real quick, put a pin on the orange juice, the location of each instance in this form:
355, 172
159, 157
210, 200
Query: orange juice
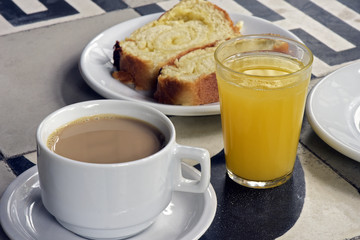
262, 104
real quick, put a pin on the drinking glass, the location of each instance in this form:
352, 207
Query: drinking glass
263, 82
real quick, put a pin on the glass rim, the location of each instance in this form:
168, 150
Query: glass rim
264, 36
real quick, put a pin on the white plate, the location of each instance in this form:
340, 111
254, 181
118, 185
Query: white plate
23, 216
333, 110
96, 63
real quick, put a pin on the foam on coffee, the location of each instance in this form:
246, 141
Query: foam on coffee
106, 138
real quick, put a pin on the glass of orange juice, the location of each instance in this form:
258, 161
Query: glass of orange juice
262, 81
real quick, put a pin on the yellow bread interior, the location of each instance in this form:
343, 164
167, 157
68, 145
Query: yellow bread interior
198, 62
191, 66
189, 24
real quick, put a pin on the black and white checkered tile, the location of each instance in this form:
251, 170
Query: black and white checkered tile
331, 28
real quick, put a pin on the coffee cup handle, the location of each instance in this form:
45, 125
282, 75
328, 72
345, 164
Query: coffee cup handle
198, 154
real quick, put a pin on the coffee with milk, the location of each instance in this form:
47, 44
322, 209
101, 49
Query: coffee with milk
106, 138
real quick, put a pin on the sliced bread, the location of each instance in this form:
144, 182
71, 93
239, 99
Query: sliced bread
189, 80
189, 25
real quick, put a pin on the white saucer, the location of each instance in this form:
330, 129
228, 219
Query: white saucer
96, 63
333, 110
23, 216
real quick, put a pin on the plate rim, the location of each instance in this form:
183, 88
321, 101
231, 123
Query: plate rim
331, 139
174, 110
31, 174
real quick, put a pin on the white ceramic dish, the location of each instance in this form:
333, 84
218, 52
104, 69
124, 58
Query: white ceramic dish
96, 63
333, 110
23, 216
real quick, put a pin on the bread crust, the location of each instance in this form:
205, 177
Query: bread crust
172, 91
132, 69
141, 71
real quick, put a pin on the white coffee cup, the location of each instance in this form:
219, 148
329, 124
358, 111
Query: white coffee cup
114, 201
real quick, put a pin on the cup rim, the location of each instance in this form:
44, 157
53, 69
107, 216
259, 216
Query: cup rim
41, 144
259, 36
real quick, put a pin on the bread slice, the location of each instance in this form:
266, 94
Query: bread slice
189, 25
190, 79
